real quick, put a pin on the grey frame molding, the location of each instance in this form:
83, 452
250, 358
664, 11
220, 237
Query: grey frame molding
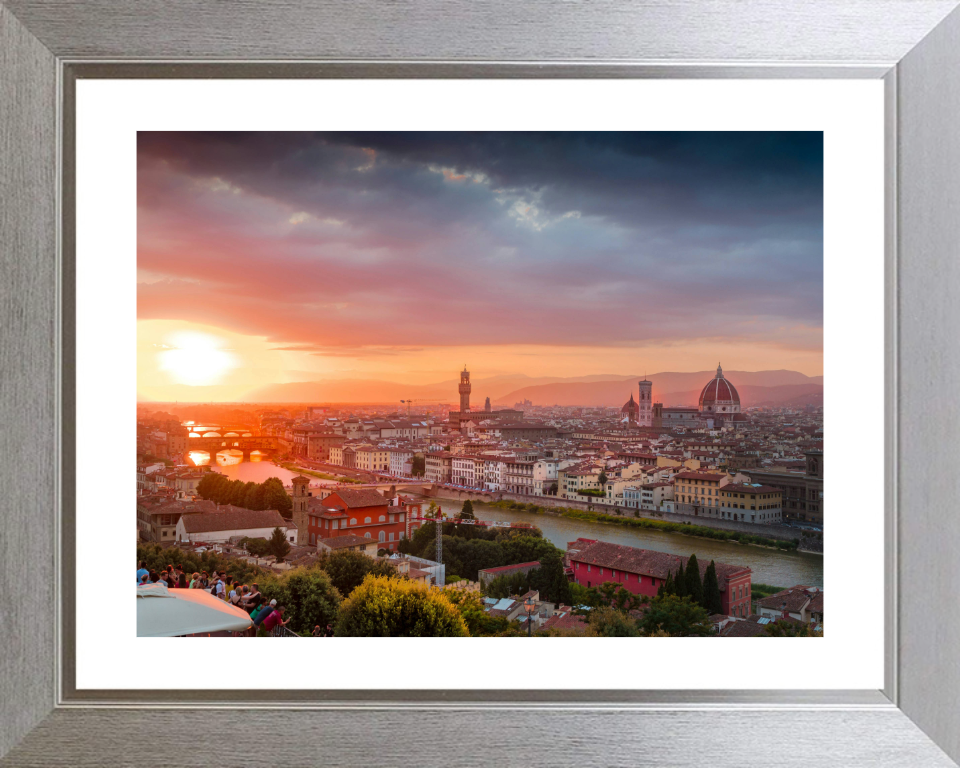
914, 45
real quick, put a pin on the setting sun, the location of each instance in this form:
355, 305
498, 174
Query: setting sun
196, 359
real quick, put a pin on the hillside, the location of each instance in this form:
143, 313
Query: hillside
509, 389
755, 388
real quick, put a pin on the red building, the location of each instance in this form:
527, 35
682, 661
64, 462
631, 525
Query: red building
642, 571
356, 512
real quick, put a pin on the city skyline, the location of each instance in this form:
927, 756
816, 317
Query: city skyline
267, 259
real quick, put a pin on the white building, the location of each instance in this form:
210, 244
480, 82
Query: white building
492, 473
544, 476
222, 526
463, 470
401, 461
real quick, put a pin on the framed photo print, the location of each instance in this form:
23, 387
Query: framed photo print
549, 364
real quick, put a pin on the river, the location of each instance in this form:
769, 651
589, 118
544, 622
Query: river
256, 470
769, 566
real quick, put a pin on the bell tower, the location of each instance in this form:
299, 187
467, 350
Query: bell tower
645, 404
301, 519
464, 391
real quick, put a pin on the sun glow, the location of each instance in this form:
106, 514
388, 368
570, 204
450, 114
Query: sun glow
196, 359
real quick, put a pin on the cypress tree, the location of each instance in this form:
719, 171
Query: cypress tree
694, 587
711, 590
679, 582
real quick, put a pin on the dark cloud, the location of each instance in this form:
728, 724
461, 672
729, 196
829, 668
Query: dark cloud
447, 238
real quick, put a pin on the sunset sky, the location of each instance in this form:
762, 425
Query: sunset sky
270, 258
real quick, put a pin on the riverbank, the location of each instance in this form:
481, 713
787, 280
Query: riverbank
685, 529
320, 475
769, 565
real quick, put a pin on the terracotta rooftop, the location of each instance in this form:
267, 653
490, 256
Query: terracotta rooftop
365, 497
234, 519
506, 568
647, 562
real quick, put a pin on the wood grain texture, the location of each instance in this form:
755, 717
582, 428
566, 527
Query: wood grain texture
532, 30
929, 234
162, 738
28, 375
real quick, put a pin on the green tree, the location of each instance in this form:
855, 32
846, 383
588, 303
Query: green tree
382, 607
508, 584
782, 628
712, 599
550, 580
308, 594
603, 479
666, 586
693, 584
677, 616
466, 513
348, 568
470, 605
256, 547
275, 496
679, 582
278, 546
609, 622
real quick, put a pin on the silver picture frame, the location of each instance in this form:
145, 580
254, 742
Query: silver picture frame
912, 45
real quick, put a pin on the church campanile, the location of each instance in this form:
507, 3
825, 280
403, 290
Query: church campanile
645, 404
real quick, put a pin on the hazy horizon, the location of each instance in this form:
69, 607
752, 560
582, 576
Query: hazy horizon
275, 258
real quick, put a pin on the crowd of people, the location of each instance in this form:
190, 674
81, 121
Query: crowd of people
267, 617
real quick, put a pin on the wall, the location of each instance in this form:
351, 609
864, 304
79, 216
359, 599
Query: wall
218, 536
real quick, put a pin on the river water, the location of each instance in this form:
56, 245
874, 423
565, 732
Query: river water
256, 470
769, 566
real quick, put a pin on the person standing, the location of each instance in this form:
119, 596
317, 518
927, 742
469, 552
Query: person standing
275, 620
266, 611
181, 578
252, 598
142, 571
194, 581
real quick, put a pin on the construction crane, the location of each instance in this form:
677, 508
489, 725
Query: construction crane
410, 402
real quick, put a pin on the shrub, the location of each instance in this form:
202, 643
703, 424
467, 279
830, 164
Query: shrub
382, 607
348, 568
307, 593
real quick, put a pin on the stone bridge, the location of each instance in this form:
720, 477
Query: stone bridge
213, 445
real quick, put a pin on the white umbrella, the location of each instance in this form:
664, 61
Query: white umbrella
169, 613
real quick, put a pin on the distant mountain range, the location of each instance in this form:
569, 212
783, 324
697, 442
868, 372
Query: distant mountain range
755, 387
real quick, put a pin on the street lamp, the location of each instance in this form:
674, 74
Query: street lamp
529, 606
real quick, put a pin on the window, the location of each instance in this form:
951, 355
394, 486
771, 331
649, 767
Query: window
383, 518
588, 569
391, 537
382, 536
353, 521
335, 525
367, 520
367, 535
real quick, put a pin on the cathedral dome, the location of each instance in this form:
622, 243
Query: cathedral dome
631, 406
719, 396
